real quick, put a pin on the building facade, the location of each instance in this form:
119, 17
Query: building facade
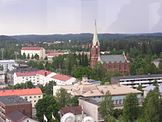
135, 81
31, 95
42, 77
32, 51
9, 104
115, 63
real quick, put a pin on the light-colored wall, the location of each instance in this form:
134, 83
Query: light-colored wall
41, 53
33, 98
90, 109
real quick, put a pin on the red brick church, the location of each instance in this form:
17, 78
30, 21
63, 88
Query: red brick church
117, 63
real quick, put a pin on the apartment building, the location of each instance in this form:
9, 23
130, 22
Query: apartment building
42, 77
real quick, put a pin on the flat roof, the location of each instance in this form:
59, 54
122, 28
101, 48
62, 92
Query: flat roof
12, 100
137, 76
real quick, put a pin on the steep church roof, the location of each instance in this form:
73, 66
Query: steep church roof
113, 58
95, 40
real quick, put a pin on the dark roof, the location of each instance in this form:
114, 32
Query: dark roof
16, 116
113, 58
71, 109
136, 77
12, 100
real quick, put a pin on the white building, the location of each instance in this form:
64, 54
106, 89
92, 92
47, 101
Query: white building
92, 94
151, 87
136, 80
8, 64
42, 77
31, 95
32, 51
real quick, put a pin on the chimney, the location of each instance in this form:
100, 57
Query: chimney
85, 79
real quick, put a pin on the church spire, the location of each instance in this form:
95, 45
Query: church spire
95, 36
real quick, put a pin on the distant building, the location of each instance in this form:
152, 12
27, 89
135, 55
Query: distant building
31, 95
75, 110
97, 92
151, 87
42, 77
91, 95
8, 64
32, 51
10, 104
136, 80
118, 63
51, 54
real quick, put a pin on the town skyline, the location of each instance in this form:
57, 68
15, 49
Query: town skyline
62, 17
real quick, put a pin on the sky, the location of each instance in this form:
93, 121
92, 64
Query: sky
78, 16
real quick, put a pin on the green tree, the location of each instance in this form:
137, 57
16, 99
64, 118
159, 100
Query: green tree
65, 98
131, 109
47, 106
23, 56
160, 111
28, 57
36, 56
79, 72
151, 107
48, 88
106, 106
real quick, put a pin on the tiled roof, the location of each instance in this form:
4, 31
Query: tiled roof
71, 109
21, 92
31, 73
31, 48
16, 116
43, 72
12, 100
54, 54
113, 58
61, 77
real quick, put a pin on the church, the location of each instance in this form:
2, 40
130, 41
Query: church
114, 63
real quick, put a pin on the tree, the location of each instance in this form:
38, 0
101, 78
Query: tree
24, 56
47, 106
28, 57
48, 88
36, 56
106, 106
160, 111
79, 72
151, 107
130, 110
65, 98
32, 57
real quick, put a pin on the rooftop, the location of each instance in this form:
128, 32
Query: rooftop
21, 92
71, 109
12, 100
16, 116
61, 77
113, 79
31, 48
113, 58
89, 90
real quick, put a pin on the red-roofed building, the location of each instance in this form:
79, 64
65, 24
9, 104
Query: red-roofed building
42, 77
31, 95
52, 54
32, 51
